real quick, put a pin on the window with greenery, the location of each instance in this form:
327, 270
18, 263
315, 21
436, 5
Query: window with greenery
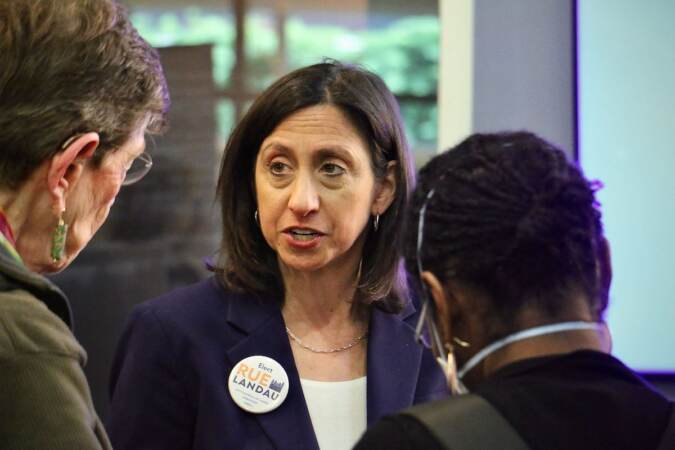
402, 49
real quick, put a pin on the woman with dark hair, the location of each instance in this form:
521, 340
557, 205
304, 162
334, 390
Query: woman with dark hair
297, 343
79, 89
507, 237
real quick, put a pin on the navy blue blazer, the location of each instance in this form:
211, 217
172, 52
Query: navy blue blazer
169, 377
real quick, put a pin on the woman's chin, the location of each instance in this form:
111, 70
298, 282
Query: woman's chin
56, 267
47, 265
68, 257
302, 264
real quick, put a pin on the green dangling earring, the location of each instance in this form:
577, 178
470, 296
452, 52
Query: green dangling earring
59, 239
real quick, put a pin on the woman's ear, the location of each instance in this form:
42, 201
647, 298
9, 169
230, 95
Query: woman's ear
386, 190
65, 168
441, 300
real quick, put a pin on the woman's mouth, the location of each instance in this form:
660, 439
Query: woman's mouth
303, 235
303, 238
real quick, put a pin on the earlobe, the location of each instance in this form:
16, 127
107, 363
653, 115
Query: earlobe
386, 190
66, 167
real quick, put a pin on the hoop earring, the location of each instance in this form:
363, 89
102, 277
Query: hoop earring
460, 342
59, 239
451, 366
376, 222
256, 219
451, 373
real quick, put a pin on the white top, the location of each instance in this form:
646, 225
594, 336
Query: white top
337, 410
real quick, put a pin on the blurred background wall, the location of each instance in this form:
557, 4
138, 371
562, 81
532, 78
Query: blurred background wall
507, 66
502, 65
627, 140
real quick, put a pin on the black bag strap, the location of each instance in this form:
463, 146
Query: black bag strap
668, 438
468, 422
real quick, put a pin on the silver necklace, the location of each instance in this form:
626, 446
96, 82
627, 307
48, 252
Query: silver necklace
355, 341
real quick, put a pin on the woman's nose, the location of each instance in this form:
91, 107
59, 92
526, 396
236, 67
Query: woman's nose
304, 197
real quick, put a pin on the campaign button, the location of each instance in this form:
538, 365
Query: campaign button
258, 384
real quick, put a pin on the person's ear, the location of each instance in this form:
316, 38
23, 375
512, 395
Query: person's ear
386, 190
66, 167
442, 302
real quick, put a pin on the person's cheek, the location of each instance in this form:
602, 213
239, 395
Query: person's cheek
106, 204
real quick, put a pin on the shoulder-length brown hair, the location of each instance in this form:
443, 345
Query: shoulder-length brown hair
247, 263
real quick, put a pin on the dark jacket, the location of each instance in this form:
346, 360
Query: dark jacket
45, 401
585, 400
168, 383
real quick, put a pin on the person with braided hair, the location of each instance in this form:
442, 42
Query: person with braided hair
507, 239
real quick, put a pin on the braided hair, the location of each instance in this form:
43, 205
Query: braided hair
512, 217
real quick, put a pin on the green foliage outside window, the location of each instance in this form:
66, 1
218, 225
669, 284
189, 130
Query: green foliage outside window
403, 52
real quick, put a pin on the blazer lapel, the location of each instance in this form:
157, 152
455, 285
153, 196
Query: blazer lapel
393, 363
288, 426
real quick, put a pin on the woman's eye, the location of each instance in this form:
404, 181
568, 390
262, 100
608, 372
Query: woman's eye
332, 169
278, 168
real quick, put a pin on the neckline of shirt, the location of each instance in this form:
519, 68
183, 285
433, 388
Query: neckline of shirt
345, 383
